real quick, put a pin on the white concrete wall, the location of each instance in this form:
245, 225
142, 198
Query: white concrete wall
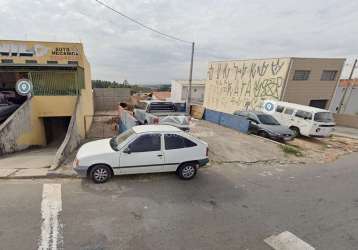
179, 90
244, 84
176, 91
197, 93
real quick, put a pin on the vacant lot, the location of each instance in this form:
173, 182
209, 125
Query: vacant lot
227, 145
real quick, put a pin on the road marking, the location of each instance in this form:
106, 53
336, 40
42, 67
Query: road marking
51, 206
287, 241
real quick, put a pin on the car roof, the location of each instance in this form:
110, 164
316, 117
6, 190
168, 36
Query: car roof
155, 101
248, 112
155, 128
300, 106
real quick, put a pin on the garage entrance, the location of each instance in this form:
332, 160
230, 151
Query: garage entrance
55, 129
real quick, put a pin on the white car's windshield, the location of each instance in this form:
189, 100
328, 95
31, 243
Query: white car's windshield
323, 117
116, 140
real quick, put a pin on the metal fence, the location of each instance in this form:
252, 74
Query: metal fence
227, 120
57, 82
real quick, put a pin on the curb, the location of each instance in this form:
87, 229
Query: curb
47, 176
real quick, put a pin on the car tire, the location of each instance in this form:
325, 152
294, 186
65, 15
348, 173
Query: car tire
296, 131
187, 171
100, 174
263, 134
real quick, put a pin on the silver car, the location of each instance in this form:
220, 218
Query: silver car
266, 125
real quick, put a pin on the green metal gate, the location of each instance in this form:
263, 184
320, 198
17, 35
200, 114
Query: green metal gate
52, 83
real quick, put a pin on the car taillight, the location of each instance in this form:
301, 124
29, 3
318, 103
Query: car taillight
207, 151
156, 120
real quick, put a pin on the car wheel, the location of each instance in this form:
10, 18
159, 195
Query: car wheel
296, 131
100, 173
263, 134
187, 171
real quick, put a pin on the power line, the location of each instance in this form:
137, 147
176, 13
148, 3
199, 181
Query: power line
141, 24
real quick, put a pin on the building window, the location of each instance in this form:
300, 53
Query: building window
26, 54
328, 75
7, 61
301, 75
318, 103
4, 54
31, 61
73, 62
52, 62
13, 54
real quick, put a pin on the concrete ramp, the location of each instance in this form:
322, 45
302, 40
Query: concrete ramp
29, 159
15, 126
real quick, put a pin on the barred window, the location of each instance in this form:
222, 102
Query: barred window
328, 75
301, 75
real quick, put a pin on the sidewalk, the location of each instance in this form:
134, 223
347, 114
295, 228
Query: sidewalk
33, 163
36, 173
346, 132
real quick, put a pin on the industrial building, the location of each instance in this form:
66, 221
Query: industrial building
346, 96
180, 89
245, 84
60, 99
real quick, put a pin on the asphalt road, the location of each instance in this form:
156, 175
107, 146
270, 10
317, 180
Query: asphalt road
230, 206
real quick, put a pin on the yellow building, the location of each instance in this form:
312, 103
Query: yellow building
61, 79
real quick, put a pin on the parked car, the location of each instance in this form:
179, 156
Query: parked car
301, 119
266, 125
6, 110
161, 112
142, 149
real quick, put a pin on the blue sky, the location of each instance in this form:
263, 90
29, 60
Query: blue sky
118, 49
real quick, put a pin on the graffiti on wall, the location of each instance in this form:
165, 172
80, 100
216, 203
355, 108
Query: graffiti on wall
244, 84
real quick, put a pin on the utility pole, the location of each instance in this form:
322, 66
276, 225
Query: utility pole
188, 101
341, 103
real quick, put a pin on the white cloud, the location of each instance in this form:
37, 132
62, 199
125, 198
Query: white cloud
118, 49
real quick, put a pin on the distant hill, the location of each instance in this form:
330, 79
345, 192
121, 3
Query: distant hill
135, 88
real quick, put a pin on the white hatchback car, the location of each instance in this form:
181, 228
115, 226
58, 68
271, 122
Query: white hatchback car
142, 149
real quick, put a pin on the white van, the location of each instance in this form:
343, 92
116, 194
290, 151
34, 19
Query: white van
301, 119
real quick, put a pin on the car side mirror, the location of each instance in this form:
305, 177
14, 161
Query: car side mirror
127, 150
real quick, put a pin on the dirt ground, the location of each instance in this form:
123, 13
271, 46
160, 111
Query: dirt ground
325, 149
227, 145
103, 125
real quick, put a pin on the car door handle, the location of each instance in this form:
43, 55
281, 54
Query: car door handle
159, 155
